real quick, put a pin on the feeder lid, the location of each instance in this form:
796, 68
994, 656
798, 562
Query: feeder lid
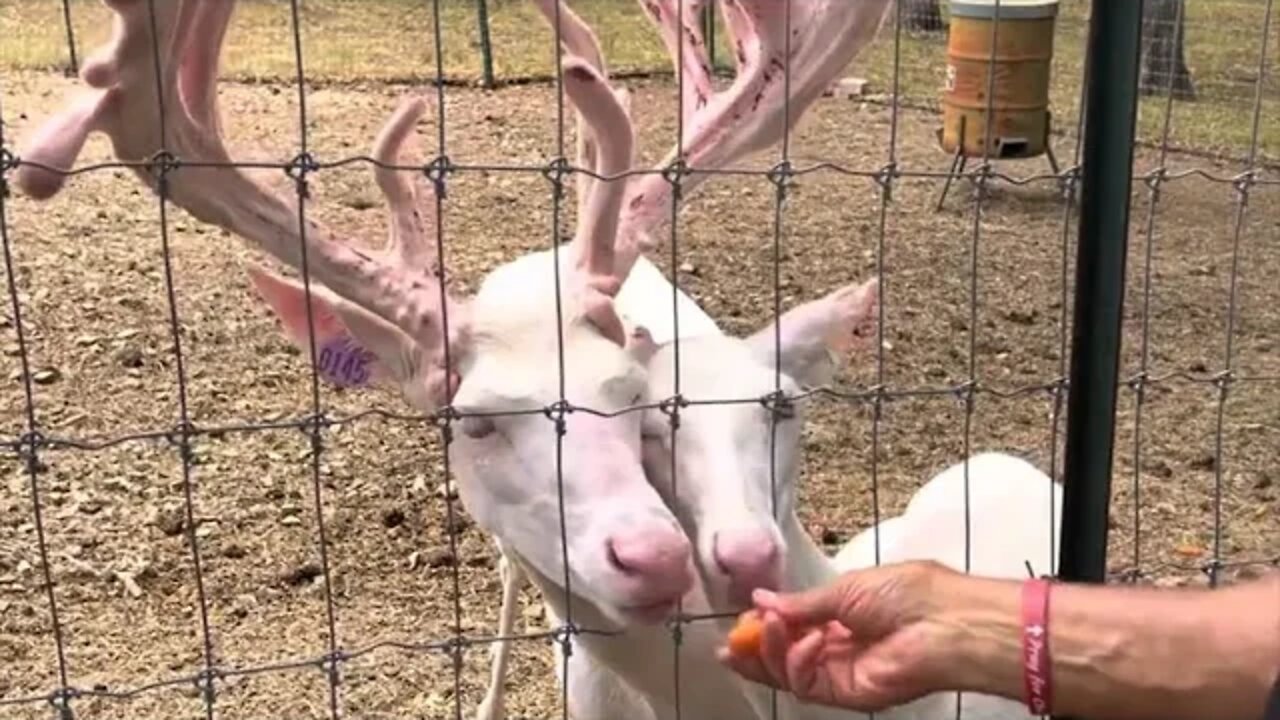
1009, 9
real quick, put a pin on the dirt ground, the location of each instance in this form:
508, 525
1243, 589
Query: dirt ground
90, 273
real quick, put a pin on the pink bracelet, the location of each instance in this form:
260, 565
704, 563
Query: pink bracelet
1036, 675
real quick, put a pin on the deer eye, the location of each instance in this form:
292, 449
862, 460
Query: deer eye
477, 428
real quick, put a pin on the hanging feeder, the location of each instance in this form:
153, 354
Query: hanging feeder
999, 56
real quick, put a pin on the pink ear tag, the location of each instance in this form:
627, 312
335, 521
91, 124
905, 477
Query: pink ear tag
343, 362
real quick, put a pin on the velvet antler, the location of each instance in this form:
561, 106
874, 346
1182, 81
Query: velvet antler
174, 118
752, 113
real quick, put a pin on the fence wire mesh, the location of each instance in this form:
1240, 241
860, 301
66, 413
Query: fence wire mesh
907, 67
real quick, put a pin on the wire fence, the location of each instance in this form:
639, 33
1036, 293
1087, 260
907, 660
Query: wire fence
35, 449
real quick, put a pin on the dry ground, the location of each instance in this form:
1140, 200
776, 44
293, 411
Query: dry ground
90, 274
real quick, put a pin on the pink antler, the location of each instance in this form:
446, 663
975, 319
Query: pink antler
402, 286
408, 243
750, 115
606, 148
606, 120
578, 40
685, 30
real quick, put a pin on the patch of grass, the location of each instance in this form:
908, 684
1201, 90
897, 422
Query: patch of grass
386, 40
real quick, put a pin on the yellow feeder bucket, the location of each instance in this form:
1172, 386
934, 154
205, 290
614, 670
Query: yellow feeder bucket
1020, 63
1011, 61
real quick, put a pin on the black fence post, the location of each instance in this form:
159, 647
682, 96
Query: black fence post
709, 34
486, 45
74, 68
1115, 34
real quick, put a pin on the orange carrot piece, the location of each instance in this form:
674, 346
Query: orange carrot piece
744, 638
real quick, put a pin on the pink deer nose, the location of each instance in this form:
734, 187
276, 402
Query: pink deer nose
660, 557
751, 560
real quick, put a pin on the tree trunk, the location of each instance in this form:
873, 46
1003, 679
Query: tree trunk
922, 15
1164, 62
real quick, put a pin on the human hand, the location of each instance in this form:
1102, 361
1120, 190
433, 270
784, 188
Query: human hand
868, 641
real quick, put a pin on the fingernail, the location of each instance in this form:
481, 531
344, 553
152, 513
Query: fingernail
763, 597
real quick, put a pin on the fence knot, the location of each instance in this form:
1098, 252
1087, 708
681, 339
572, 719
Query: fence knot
1138, 383
556, 413
677, 629
204, 682
671, 408
297, 169
445, 417
28, 449
436, 171
1068, 179
780, 175
877, 394
8, 161
331, 665
31, 442
965, 391
779, 405
61, 700
300, 165
1244, 181
675, 172
1223, 379
311, 425
163, 162
555, 172
1212, 568
885, 176
1132, 575
564, 635
181, 434
1154, 178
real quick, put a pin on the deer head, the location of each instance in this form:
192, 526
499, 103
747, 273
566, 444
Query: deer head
726, 495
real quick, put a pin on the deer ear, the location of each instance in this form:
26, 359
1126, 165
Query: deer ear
353, 347
817, 336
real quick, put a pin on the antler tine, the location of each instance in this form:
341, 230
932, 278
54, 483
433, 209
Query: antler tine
578, 40
607, 120
604, 113
408, 243
679, 23
739, 27
199, 176
575, 35
750, 115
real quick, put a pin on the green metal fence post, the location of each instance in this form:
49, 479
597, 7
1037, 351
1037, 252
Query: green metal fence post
709, 33
74, 68
1107, 167
486, 47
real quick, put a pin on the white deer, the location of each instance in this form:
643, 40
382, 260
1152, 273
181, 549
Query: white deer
727, 498
824, 39
385, 317
724, 498
742, 515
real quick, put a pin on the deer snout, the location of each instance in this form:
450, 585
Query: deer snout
750, 558
656, 562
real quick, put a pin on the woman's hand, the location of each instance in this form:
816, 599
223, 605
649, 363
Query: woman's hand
868, 641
